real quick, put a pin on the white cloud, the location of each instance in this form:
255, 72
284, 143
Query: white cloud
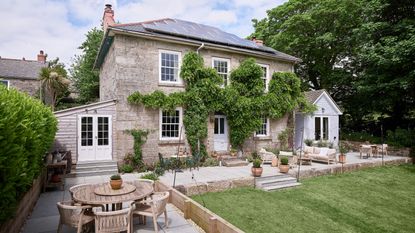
58, 27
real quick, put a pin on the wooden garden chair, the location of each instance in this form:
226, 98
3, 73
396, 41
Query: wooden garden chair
74, 215
152, 207
114, 221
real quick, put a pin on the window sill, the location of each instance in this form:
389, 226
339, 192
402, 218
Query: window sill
262, 138
170, 84
170, 142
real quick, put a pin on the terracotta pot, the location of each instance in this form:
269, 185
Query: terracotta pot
116, 184
284, 168
342, 158
55, 178
257, 172
274, 162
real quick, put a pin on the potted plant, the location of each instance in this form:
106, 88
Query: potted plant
115, 181
256, 168
284, 167
308, 142
233, 152
342, 156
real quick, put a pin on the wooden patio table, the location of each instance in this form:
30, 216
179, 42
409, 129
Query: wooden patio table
87, 196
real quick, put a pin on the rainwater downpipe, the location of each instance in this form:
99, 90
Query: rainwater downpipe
200, 47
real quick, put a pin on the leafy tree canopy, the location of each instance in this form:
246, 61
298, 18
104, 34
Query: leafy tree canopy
85, 78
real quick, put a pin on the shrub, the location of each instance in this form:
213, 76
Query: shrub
401, 137
27, 131
284, 161
210, 162
150, 176
256, 163
308, 142
255, 155
159, 170
126, 168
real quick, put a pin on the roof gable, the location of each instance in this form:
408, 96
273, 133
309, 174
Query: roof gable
315, 96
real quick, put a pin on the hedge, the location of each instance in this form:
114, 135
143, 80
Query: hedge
27, 131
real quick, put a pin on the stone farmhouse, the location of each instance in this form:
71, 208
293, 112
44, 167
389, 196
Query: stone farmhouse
145, 57
22, 74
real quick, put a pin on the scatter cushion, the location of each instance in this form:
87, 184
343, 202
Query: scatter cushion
308, 149
323, 151
316, 150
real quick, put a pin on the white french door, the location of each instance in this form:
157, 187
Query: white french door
94, 137
220, 137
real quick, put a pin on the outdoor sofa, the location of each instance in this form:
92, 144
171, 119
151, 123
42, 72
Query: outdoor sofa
321, 154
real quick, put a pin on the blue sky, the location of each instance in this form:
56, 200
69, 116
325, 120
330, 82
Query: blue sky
58, 27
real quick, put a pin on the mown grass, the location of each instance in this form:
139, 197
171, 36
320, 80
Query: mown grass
372, 200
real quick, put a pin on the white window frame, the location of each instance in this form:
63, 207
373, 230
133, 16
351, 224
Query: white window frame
8, 83
180, 125
179, 79
267, 79
267, 129
322, 127
228, 61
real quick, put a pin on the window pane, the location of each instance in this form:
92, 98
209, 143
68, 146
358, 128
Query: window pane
169, 67
222, 126
263, 130
170, 124
325, 128
222, 68
216, 126
317, 128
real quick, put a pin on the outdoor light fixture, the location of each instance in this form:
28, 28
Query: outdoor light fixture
322, 110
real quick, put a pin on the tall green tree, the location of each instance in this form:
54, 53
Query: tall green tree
387, 64
54, 83
85, 78
322, 34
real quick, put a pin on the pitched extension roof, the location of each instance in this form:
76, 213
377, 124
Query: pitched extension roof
313, 96
198, 33
21, 69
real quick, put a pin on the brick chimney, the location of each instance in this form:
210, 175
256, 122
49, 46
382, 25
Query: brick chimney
41, 57
108, 17
258, 42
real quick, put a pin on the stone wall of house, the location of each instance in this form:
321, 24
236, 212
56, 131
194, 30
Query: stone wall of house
107, 77
135, 62
30, 86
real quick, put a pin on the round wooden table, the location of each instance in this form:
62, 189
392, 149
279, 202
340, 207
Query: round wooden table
86, 194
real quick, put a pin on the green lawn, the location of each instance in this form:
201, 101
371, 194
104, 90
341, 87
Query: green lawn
373, 200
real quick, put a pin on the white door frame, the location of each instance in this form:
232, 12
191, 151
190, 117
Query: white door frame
221, 140
94, 152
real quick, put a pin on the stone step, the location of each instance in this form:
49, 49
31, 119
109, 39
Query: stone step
273, 177
281, 181
92, 173
234, 163
95, 163
97, 168
283, 186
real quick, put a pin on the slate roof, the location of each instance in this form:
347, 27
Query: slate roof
201, 33
312, 96
20, 69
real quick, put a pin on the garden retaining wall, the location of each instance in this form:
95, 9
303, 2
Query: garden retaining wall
313, 172
204, 218
24, 208
355, 146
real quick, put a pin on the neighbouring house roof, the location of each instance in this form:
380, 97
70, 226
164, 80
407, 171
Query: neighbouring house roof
314, 96
20, 69
191, 31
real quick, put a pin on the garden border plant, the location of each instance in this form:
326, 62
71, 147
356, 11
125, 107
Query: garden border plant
243, 101
27, 132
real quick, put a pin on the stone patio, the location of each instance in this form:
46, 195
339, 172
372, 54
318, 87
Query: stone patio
45, 215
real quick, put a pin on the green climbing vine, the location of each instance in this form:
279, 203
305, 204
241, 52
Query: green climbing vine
243, 101
140, 137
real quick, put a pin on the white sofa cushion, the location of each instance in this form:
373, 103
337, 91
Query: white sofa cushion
323, 151
308, 149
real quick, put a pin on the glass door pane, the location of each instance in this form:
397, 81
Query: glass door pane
325, 128
86, 131
317, 128
103, 131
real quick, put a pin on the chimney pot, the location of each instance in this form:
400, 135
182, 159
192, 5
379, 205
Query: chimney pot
24, 59
41, 57
108, 17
